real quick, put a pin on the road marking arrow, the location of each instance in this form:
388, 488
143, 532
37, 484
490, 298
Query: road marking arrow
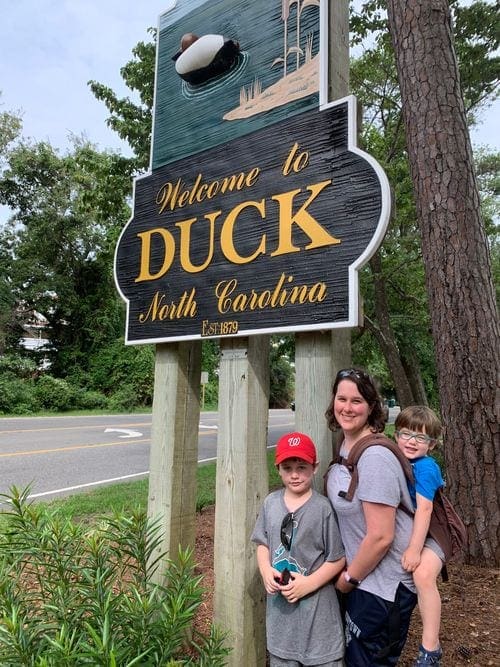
128, 433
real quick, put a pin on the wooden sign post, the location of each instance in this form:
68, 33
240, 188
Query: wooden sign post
242, 484
174, 446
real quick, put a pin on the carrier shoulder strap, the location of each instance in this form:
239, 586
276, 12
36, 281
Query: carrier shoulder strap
351, 462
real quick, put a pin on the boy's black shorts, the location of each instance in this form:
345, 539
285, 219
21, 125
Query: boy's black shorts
376, 629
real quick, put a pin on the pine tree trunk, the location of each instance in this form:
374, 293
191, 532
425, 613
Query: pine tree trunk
457, 263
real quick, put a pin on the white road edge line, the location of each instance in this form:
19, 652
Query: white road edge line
83, 486
108, 481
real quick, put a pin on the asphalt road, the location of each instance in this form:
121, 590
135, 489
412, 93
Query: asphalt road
58, 456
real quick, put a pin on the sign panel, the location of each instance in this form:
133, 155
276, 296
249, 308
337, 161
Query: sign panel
262, 227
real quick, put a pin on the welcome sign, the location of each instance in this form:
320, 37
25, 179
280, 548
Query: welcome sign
259, 208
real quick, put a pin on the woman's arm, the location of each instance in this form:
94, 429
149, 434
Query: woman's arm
421, 521
380, 526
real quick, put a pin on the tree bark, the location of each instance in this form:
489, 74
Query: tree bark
457, 263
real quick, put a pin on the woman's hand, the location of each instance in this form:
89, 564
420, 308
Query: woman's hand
342, 585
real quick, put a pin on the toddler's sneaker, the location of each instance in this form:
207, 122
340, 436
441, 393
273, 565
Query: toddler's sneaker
426, 657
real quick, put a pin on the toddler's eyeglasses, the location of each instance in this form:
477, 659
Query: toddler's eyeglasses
286, 532
421, 438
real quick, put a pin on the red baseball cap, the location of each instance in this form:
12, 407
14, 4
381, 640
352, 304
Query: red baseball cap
295, 446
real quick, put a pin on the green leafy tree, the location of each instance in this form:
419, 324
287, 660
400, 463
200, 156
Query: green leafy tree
59, 242
132, 122
281, 374
10, 128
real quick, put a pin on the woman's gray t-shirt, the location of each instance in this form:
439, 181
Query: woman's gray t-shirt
381, 480
310, 630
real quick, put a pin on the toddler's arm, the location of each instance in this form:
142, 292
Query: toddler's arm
411, 557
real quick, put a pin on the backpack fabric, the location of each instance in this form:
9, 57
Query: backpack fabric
446, 527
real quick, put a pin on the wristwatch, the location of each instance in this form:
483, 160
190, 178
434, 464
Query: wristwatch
351, 580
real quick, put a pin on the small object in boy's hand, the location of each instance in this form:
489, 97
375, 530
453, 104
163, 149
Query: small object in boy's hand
285, 577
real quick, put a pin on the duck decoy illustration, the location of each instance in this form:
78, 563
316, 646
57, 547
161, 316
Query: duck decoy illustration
203, 58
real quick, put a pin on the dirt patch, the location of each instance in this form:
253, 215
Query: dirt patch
470, 632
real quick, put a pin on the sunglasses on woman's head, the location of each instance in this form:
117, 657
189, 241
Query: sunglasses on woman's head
351, 372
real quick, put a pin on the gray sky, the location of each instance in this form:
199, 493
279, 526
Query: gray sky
49, 49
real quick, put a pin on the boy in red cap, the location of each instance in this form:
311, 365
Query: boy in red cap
299, 552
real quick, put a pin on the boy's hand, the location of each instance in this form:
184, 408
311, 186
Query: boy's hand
410, 559
298, 587
269, 578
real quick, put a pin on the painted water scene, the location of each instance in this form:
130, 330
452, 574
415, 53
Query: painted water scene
230, 67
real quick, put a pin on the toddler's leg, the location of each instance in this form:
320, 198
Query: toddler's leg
429, 600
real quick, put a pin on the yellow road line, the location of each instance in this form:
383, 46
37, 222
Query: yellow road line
76, 447
61, 450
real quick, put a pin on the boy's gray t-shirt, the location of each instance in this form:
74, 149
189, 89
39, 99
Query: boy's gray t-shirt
381, 480
310, 630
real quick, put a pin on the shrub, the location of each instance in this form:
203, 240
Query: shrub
17, 365
121, 367
73, 595
17, 396
90, 400
55, 393
123, 400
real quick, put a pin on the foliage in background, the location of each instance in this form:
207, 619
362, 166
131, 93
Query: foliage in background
281, 376
75, 595
58, 244
132, 122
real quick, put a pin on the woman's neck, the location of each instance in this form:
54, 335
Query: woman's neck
350, 439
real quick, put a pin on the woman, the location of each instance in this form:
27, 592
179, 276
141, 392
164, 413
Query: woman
379, 594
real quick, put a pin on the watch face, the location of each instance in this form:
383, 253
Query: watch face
351, 580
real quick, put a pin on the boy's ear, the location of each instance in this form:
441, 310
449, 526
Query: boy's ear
315, 467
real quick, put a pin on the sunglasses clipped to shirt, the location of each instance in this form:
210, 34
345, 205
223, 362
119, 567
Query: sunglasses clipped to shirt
286, 531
